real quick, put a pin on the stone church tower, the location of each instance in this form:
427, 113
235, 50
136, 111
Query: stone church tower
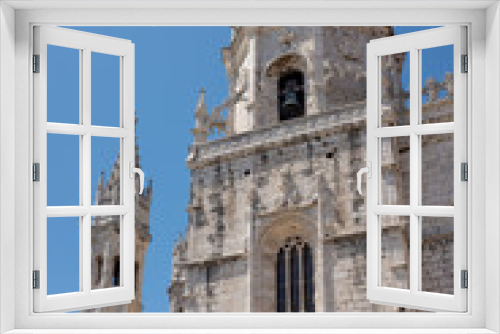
275, 221
106, 238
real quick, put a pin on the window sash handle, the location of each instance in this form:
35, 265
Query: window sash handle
368, 171
134, 170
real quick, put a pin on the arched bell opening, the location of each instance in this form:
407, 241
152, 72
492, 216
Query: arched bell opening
285, 85
291, 95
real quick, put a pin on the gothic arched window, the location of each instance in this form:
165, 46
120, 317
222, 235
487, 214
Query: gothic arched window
295, 277
291, 97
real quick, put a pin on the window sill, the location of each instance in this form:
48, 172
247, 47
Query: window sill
251, 331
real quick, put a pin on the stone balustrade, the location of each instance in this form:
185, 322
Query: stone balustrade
274, 136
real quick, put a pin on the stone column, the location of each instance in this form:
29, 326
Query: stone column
268, 108
253, 78
322, 198
288, 295
252, 258
316, 101
344, 179
231, 109
106, 268
301, 278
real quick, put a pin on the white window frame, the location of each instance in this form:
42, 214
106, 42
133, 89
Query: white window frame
414, 297
85, 43
16, 126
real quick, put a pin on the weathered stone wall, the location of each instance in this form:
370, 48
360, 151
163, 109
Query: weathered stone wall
254, 189
212, 286
228, 287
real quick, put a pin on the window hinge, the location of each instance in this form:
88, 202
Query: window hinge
36, 63
465, 64
36, 172
465, 279
36, 279
464, 171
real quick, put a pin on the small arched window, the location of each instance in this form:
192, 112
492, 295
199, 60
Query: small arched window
295, 277
291, 96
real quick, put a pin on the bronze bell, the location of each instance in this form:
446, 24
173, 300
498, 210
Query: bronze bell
290, 95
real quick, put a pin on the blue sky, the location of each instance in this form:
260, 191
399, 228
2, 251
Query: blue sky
172, 64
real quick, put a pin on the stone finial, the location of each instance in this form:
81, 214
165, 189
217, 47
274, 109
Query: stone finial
200, 132
201, 114
448, 82
432, 89
178, 247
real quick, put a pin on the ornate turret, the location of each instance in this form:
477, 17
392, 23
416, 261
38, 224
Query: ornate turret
106, 236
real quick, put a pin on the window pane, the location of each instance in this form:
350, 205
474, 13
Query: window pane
105, 171
395, 76
63, 255
63, 170
437, 254
395, 251
395, 171
437, 169
437, 84
106, 252
105, 90
63, 85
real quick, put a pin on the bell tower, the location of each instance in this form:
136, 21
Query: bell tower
285, 73
273, 212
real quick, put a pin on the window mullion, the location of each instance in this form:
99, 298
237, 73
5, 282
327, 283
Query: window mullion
288, 299
414, 167
86, 253
85, 165
301, 279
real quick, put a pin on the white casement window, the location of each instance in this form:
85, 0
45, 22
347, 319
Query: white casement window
421, 215
83, 131
24, 127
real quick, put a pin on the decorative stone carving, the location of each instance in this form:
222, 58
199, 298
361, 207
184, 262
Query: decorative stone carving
201, 131
285, 35
206, 123
289, 194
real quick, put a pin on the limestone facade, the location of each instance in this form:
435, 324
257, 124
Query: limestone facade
269, 182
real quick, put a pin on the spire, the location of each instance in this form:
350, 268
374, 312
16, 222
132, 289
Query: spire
100, 189
137, 155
